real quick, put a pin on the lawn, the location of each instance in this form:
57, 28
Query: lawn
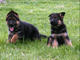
36, 12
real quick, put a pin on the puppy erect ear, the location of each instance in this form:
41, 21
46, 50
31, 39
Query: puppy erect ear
12, 13
50, 15
62, 14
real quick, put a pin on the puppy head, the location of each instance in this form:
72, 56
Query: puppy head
56, 19
12, 20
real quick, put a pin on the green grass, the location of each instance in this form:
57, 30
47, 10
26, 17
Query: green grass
36, 12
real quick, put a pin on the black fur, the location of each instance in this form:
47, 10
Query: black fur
23, 29
58, 29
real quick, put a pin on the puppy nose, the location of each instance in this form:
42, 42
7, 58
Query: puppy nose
11, 25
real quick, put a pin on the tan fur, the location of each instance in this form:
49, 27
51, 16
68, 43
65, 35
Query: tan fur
55, 43
50, 40
59, 22
14, 38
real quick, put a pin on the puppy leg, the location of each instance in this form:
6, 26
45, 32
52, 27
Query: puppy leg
54, 43
39, 37
14, 38
67, 40
49, 41
9, 38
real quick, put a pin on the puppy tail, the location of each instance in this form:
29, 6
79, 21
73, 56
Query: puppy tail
44, 36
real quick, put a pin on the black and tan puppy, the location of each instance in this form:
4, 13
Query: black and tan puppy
59, 33
20, 30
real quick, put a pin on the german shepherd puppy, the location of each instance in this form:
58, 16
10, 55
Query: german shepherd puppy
59, 33
20, 30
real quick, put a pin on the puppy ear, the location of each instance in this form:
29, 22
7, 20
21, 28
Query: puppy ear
14, 13
62, 14
50, 15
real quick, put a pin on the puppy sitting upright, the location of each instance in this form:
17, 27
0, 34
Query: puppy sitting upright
59, 33
20, 30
